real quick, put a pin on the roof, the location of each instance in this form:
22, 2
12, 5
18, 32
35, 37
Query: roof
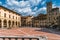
42, 15
54, 9
9, 10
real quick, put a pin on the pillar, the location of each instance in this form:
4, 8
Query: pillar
17, 24
11, 23
14, 24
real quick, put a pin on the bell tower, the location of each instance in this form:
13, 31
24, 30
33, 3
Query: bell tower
49, 6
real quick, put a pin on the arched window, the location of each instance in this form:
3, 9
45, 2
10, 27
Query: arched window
16, 23
9, 22
5, 23
12, 23
0, 24
4, 14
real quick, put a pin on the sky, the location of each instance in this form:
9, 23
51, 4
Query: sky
28, 7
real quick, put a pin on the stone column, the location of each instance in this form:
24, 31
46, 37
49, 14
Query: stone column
14, 24
17, 24
11, 24
20, 24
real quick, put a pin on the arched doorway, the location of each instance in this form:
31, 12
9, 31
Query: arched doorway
5, 23
0, 23
12, 23
16, 23
9, 22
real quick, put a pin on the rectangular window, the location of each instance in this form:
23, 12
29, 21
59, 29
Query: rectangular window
9, 12
9, 16
4, 14
16, 17
4, 9
13, 17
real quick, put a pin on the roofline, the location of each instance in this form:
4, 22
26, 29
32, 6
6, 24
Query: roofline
9, 10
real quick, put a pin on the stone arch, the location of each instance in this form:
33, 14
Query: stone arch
9, 22
16, 23
0, 23
12, 23
5, 23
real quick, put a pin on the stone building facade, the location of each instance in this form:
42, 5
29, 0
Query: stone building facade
35, 22
23, 21
9, 18
51, 19
52, 15
26, 21
29, 21
40, 20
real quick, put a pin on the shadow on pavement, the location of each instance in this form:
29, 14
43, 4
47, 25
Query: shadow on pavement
48, 30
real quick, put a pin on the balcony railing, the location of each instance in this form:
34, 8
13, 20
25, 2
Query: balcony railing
22, 38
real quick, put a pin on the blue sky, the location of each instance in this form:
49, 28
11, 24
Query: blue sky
28, 7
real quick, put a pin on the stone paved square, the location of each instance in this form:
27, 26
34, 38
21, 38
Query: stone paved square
28, 31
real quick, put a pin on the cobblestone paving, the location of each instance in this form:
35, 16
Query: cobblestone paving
28, 32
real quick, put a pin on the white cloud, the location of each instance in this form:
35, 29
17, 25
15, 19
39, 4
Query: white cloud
53, 5
24, 7
43, 3
26, 11
14, 3
0, 3
24, 3
42, 10
34, 2
35, 9
9, 2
